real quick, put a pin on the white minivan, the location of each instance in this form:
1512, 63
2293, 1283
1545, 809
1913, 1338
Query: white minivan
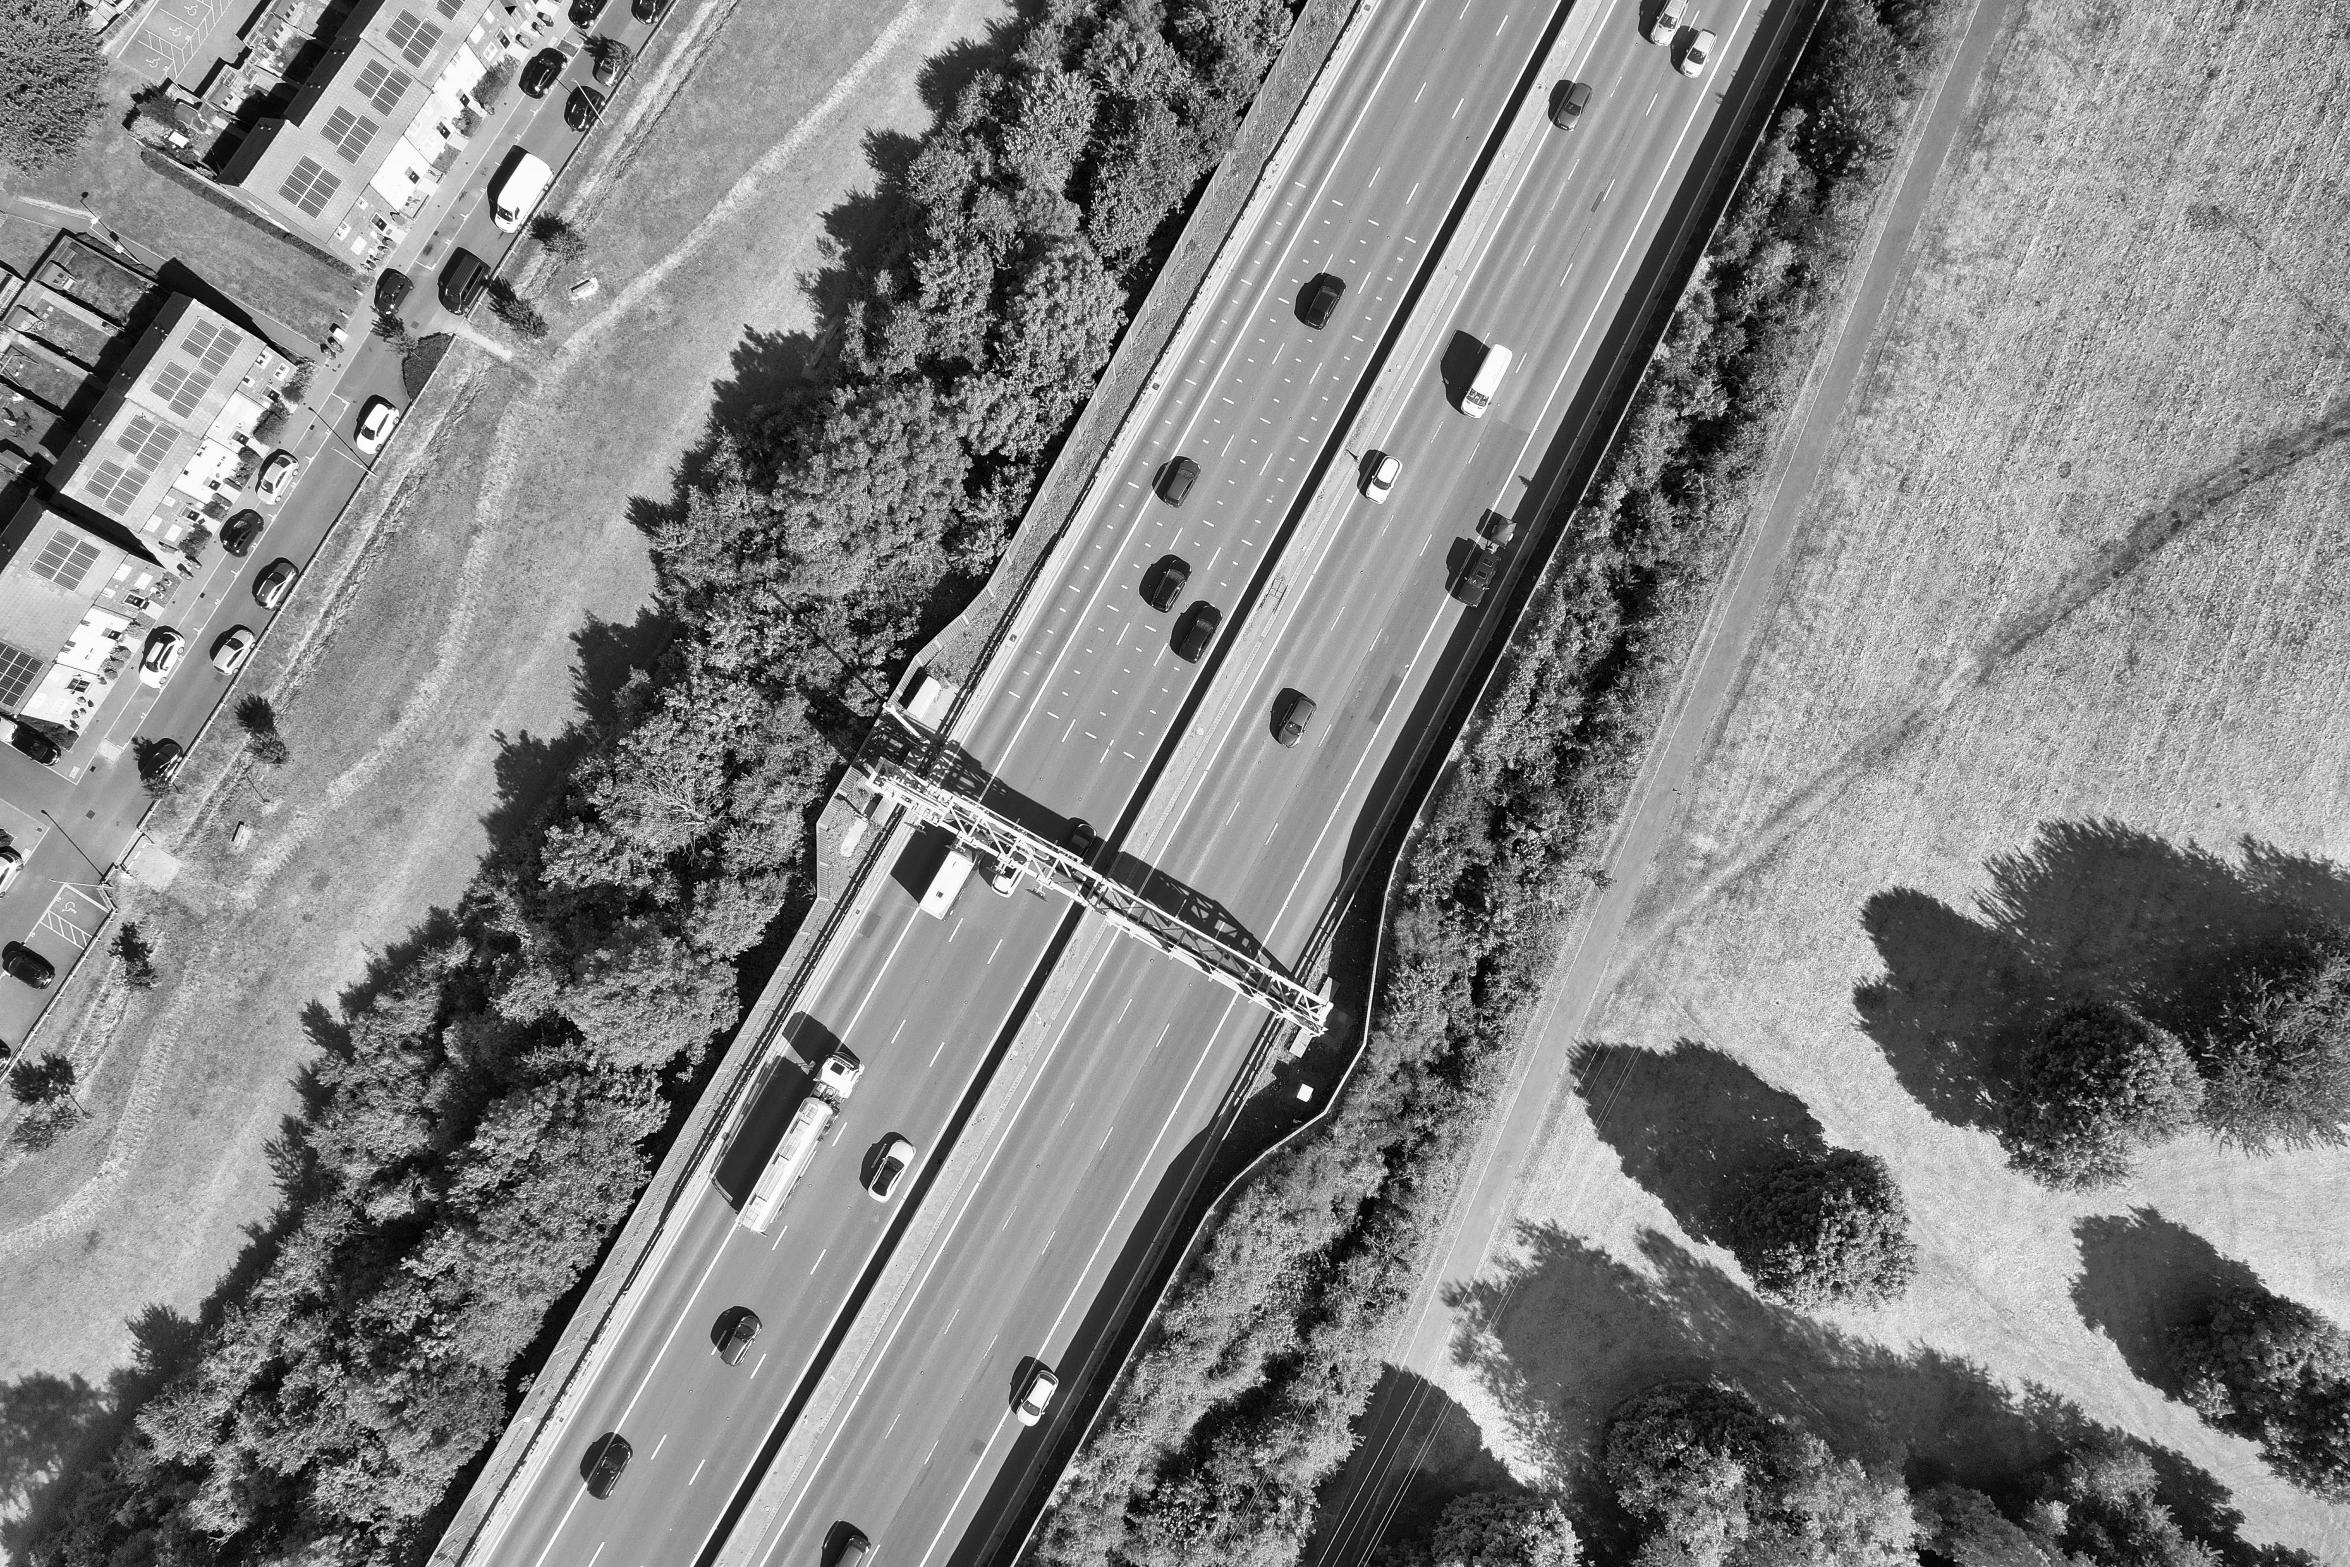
515, 194
1479, 396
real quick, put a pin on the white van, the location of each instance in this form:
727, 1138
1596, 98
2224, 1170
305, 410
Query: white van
515, 193
1479, 396
953, 871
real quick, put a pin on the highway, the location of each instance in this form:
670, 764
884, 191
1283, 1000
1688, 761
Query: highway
1418, 101
925, 1456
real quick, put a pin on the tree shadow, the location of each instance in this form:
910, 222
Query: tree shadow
2090, 909
1449, 1460
2141, 1277
770, 368
944, 75
53, 1428
1693, 1127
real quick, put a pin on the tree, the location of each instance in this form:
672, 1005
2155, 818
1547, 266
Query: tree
1825, 1231
2099, 1084
2273, 1370
50, 72
559, 235
516, 311
1498, 1529
44, 1081
1966, 1530
2276, 1060
258, 719
138, 957
2101, 1504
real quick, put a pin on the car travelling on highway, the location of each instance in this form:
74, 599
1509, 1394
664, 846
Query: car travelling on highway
610, 1462
1177, 479
1322, 297
1166, 583
238, 534
1382, 478
896, 1155
277, 476
463, 280
1475, 578
1486, 382
230, 652
375, 425
740, 1326
1082, 840
544, 68
165, 649
1291, 714
1197, 631
1042, 1384
1003, 879
1700, 50
854, 1549
275, 582
26, 964
1667, 21
1567, 107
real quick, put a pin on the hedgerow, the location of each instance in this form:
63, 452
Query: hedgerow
478, 1125
1240, 1401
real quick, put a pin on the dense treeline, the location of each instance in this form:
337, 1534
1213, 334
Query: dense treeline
477, 1127
1240, 1402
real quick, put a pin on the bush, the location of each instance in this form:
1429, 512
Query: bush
2098, 1084
137, 955
2271, 1369
1497, 1529
492, 85
50, 71
560, 238
41, 1082
1828, 1231
2276, 1062
271, 422
258, 719
516, 311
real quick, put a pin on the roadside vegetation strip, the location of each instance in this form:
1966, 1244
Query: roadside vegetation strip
1239, 1405
488, 1112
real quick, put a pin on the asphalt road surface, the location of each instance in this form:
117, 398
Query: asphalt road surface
926, 1457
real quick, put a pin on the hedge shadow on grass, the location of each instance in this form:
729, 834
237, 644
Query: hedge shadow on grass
2143, 1276
2089, 909
1694, 1127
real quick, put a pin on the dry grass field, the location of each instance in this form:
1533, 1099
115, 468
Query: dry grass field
2052, 698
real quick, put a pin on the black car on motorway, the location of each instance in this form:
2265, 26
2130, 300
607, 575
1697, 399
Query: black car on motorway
1166, 583
1321, 300
1475, 579
1197, 631
735, 1331
463, 280
1176, 480
540, 74
582, 109
28, 965
1082, 840
607, 1461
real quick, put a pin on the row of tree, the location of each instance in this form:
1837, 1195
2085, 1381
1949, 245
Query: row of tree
479, 1121
1240, 1402
1705, 1479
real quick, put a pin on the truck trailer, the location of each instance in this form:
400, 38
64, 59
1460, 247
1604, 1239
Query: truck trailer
836, 1077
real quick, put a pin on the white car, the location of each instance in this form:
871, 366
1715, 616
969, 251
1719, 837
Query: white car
1382, 478
896, 1155
1003, 880
1042, 1384
375, 425
230, 652
165, 649
1667, 21
277, 476
1700, 50
11, 866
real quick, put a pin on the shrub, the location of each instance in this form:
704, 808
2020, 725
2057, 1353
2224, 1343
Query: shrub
1497, 1529
50, 72
1827, 1231
516, 311
258, 719
1965, 1529
2101, 1501
561, 239
137, 955
2098, 1084
2276, 1061
492, 85
42, 1082
2272, 1370
272, 421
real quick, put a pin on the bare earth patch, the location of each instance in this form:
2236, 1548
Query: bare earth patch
504, 584
2052, 699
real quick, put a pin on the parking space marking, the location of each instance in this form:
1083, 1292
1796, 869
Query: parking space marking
73, 916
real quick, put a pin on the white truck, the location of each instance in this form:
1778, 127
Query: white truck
953, 871
836, 1077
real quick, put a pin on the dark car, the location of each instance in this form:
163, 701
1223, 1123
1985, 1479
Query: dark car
741, 1325
1291, 714
239, 534
463, 280
391, 289
1476, 576
854, 1548
1176, 480
1197, 631
1497, 530
582, 108
544, 68
610, 1459
1166, 583
584, 12
612, 59
1081, 840
648, 10
160, 763
1568, 105
34, 744
1322, 297
28, 965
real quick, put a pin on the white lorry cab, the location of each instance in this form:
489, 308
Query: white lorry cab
953, 871
836, 1077
515, 193
1490, 370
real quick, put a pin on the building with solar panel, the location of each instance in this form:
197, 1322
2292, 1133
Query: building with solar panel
382, 117
74, 606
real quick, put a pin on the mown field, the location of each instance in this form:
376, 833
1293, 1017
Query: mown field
2050, 704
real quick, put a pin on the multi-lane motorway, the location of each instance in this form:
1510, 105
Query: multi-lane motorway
1080, 711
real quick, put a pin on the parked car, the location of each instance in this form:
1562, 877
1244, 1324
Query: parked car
277, 579
1042, 1384
231, 651
647, 10
1700, 50
277, 476
165, 649
28, 965
11, 866
896, 1155
34, 744
1567, 107
1176, 480
521, 183
737, 1334
160, 763
1291, 714
1322, 298
1198, 630
1476, 577
1382, 478
463, 280
612, 1452
1667, 21
585, 12
582, 108
613, 58
1166, 583
240, 533
1081, 840
545, 68
391, 289
375, 425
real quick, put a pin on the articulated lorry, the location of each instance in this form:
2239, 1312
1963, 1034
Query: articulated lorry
836, 1076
